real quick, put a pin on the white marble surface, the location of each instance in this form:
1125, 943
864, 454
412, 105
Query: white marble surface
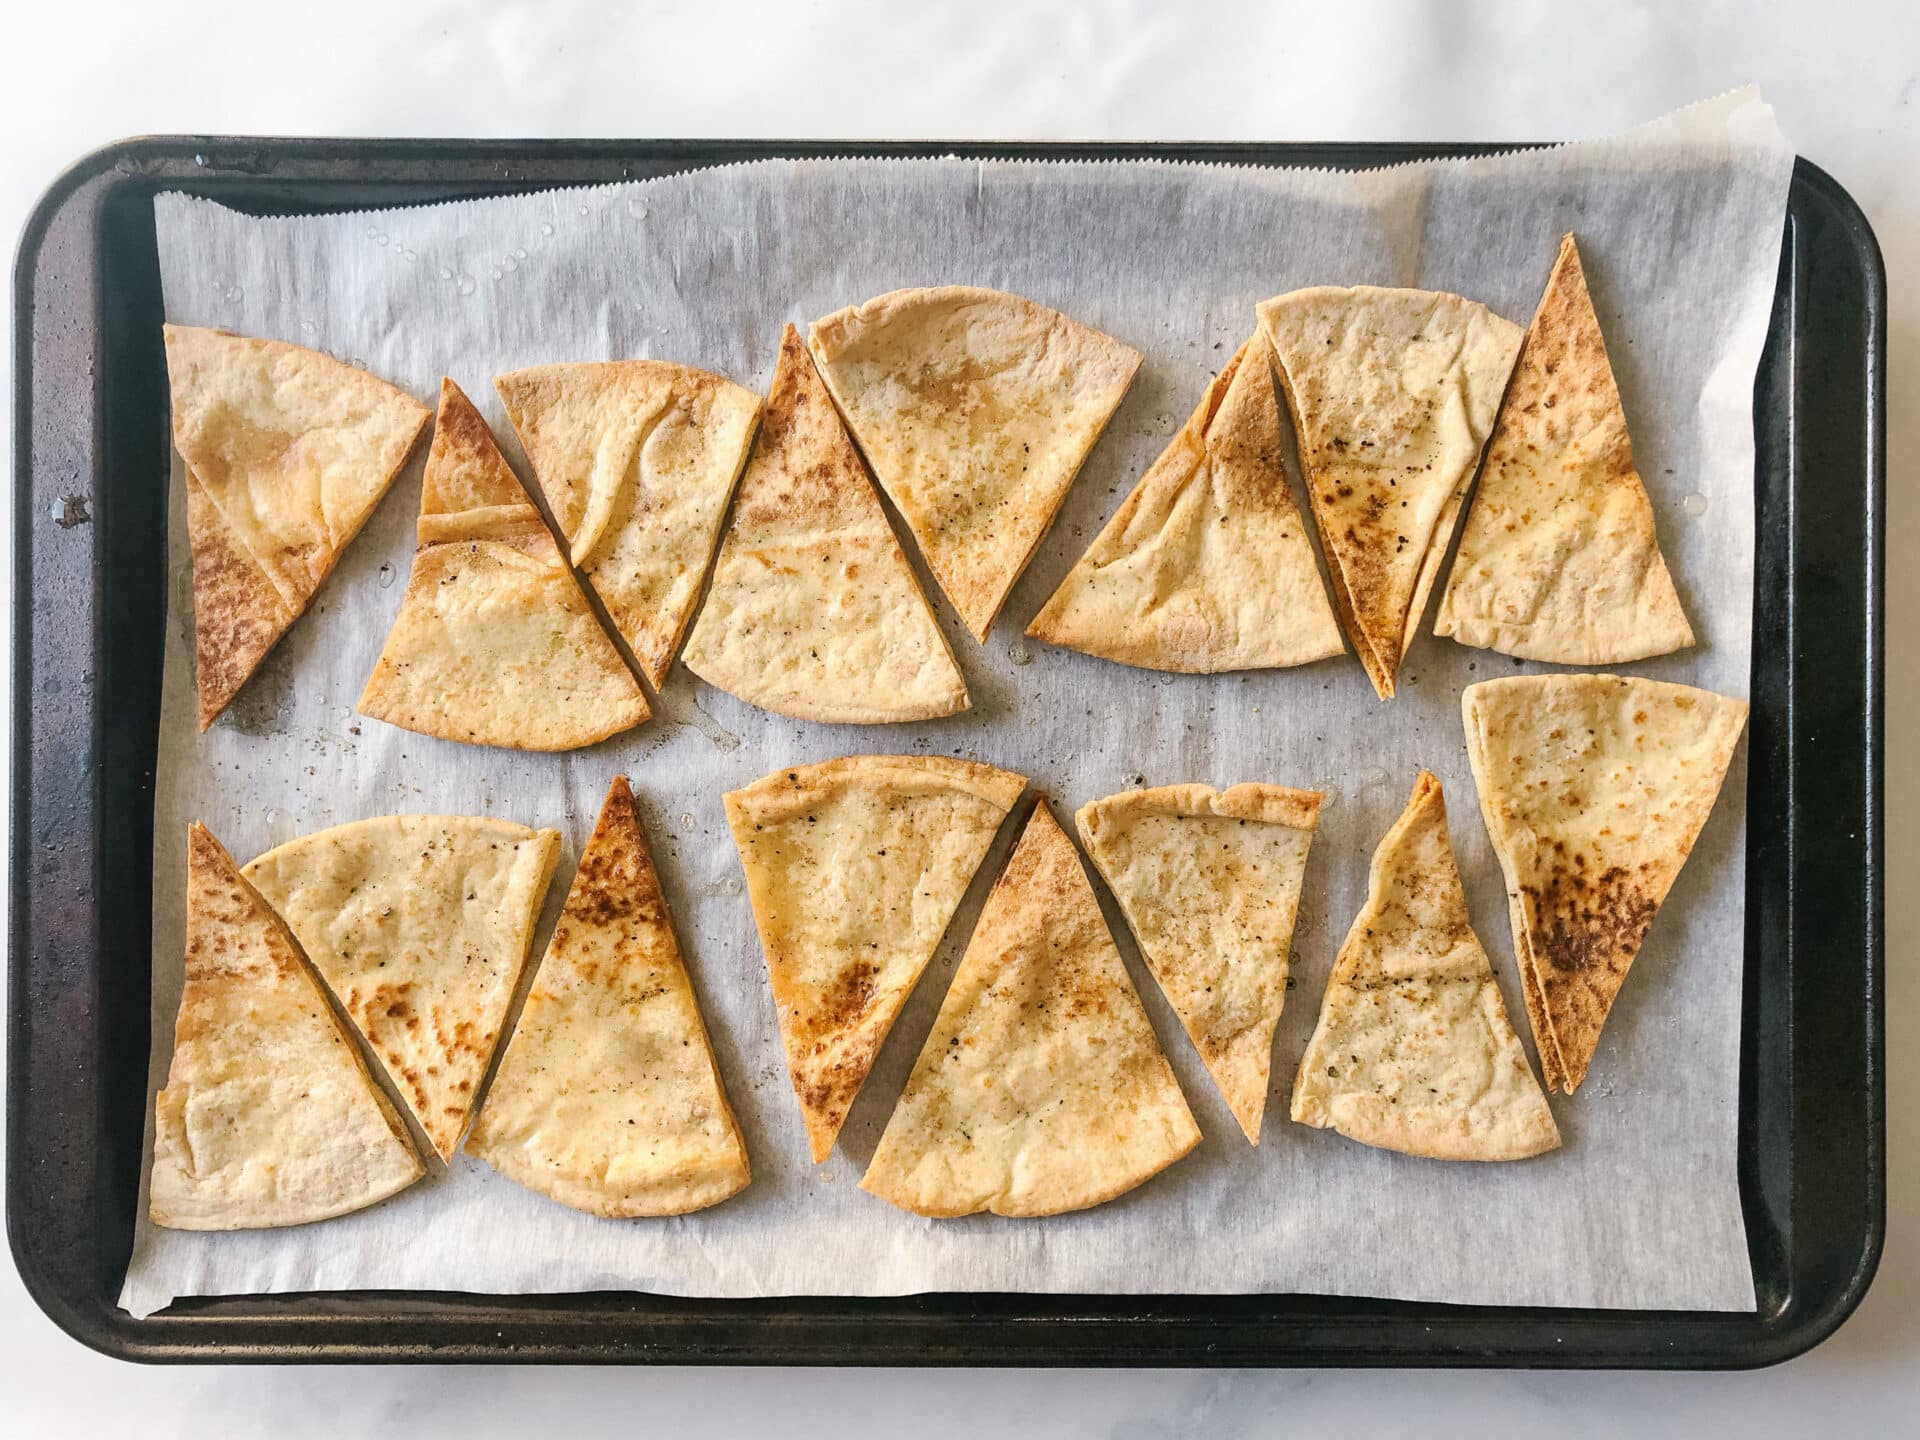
1846, 81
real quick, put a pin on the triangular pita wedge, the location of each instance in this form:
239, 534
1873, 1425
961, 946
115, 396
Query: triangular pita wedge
1206, 566
1209, 881
813, 610
287, 452
1558, 559
1594, 788
269, 1116
1393, 393
607, 1097
1414, 1051
975, 409
1041, 1088
637, 459
494, 643
420, 925
855, 867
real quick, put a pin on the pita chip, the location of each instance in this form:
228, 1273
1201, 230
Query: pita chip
420, 926
854, 868
1206, 566
1414, 1051
1558, 559
268, 1116
287, 453
1041, 1088
637, 459
494, 643
813, 611
976, 409
607, 1097
1393, 394
1594, 789
1209, 881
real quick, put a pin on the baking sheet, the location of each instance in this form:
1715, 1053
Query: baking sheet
1680, 226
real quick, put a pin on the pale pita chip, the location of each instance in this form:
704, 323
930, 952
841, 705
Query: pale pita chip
1209, 881
287, 453
637, 459
813, 611
608, 1098
420, 925
1206, 566
1393, 393
976, 409
854, 868
1558, 559
1041, 1088
1594, 788
268, 1116
1413, 1050
494, 643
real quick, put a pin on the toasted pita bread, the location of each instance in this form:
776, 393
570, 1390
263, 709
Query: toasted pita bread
269, 1116
1393, 393
607, 1097
287, 452
637, 459
1206, 566
1594, 788
813, 611
1558, 558
420, 926
1413, 1051
976, 409
494, 643
855, 868
1042, 1088
1209, 881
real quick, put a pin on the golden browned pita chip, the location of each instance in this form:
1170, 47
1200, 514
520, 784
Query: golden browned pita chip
269, 1116
1558, 559
1414, 1051
975, 409
494, 643
1206, 566
1210, 882
813, 610
1393, 393
1042, 1088
1594, 788
420, 926
287, 452
637, 459
607, 1097
855, 867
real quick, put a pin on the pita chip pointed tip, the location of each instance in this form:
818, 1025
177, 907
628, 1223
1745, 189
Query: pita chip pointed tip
1559, 559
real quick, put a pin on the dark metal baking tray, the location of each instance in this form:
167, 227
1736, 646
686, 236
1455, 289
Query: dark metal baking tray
90, 466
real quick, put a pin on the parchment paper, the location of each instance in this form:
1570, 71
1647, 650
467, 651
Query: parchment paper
1680, 227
